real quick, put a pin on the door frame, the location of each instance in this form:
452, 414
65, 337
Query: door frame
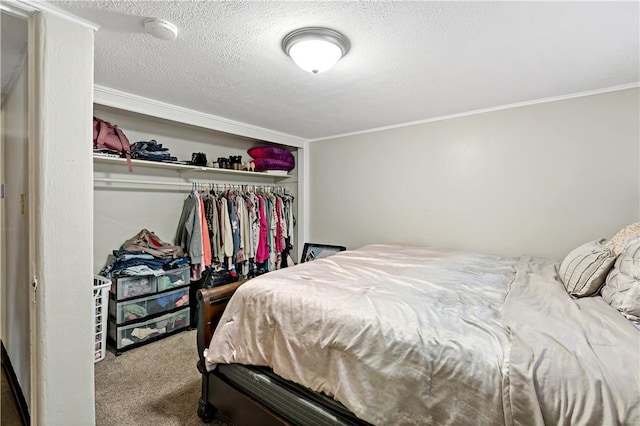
41, 401
25, 407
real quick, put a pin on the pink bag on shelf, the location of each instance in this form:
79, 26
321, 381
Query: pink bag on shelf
108, 136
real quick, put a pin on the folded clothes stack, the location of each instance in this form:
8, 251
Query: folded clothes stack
151, 150
131, 263
144, 254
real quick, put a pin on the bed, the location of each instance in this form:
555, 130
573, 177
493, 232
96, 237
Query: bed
396, 334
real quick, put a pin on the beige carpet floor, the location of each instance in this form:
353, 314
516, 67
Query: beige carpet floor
155, 384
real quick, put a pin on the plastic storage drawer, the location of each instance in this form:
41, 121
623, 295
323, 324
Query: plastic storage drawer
174, 278
139, 308
141, 332
128, 287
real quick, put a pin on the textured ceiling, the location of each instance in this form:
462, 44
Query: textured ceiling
408, 61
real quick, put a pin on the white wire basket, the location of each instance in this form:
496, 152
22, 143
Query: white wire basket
100, 313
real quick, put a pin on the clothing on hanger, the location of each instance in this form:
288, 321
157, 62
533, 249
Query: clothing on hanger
236, 229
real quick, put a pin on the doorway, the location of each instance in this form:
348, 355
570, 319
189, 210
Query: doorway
14, 214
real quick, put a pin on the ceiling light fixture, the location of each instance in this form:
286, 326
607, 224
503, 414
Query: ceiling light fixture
315, 49
161, 29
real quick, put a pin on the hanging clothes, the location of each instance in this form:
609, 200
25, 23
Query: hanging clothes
236, 230
227, 232
211, 216
262, 252
189, 232
206, 242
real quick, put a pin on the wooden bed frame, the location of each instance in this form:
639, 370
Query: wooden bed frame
217, 393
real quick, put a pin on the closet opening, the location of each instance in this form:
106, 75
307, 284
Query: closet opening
153, 312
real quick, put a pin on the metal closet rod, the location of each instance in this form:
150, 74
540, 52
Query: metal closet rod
190, 184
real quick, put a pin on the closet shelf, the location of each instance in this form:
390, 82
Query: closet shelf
184, 168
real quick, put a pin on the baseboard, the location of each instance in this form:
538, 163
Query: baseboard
23, 409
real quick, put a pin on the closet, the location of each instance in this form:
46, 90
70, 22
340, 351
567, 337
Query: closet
152, 196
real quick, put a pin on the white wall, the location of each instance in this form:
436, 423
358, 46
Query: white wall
121, 211
60, 170
15, 265
537, 179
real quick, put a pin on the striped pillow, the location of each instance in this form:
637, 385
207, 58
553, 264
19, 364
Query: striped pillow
585, 268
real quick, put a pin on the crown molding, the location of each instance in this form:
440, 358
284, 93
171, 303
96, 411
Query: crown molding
24, 8
485, 110
7, 7
129, 102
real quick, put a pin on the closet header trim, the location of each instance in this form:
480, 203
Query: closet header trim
196, 185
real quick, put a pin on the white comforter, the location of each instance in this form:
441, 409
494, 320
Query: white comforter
413, 335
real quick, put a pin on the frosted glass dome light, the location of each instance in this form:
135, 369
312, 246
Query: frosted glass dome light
315, 49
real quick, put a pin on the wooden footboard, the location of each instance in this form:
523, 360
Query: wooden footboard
211, 305
216, 393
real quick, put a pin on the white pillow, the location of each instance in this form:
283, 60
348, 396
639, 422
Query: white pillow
622, 288
585, 268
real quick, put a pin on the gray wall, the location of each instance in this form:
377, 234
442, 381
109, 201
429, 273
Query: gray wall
536, 179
